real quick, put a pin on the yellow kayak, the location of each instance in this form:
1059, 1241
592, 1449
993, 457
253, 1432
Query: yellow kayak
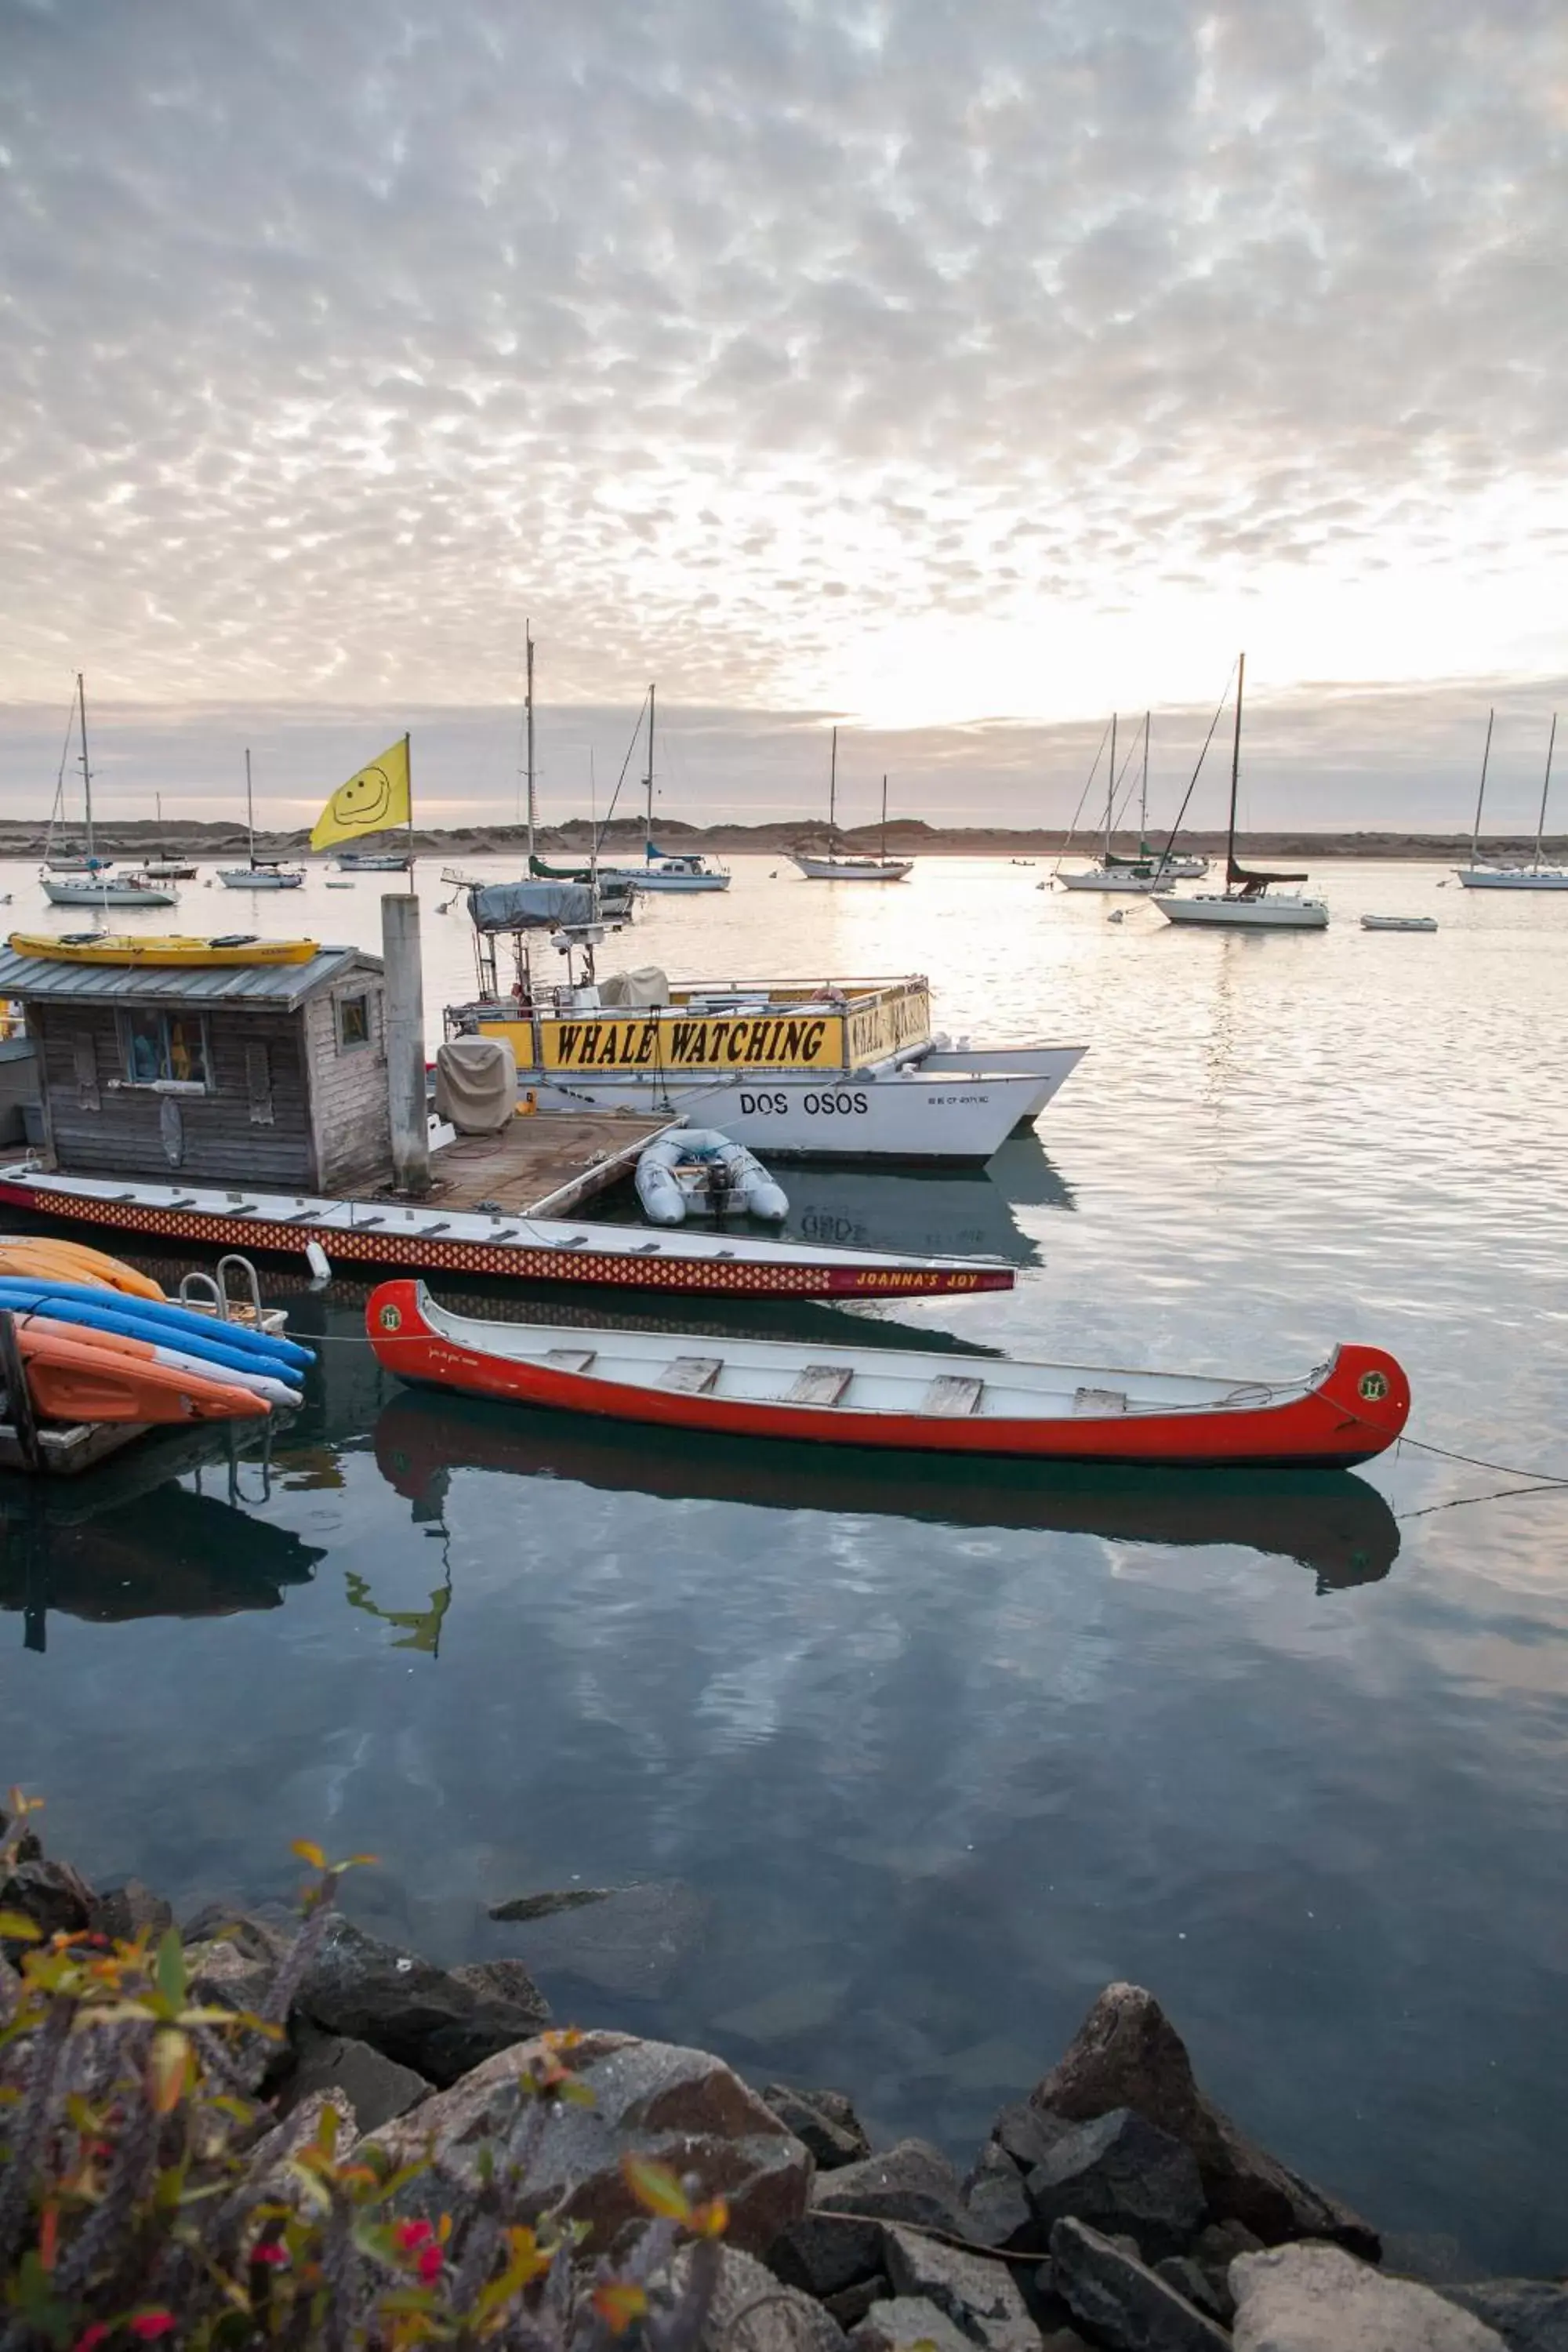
113, 947
40, 1257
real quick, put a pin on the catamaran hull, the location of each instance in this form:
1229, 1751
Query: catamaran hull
1482, 877
951, 1107
1246, 914
1350, 1410
389, 1236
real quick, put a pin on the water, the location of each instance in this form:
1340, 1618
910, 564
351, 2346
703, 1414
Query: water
937, 1755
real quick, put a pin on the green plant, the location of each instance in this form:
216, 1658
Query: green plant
148, 2195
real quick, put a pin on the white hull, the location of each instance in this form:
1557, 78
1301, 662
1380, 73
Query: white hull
244, 879
1513, 878
106, 894
352, 865
1399, 922
685, 882
855, 869
1099, 878
1220, 913
954, 1107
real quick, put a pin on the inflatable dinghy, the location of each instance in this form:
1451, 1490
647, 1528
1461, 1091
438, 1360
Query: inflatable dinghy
699, 1169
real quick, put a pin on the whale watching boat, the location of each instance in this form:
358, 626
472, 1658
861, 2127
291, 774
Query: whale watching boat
1244, 904
93, 886
260, 873
1534, 877
848, 867
1344, 1412
802, 1068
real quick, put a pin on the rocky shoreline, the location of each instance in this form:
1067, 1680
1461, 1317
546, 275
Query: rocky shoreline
1112, 2207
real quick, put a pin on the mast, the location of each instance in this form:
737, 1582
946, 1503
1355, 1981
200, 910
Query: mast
884, 855
528, 710
1234, 770
1481, 796
832, 788
648, 821
249, 810
1545, 788
85, 771
1111, 789
1143, 796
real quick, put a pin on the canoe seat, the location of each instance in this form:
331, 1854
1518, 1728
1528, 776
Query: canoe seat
1099, 1401
818, 1384
692, 1375
952, 1392
570, 1360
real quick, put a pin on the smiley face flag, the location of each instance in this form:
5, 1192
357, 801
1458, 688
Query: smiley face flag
377, 798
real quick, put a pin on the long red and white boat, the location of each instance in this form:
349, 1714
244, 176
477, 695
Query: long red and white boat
428, 1238
1345, 1411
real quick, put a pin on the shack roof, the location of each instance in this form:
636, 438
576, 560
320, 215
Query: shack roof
279, 985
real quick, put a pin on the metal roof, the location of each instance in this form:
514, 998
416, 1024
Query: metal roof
279, 984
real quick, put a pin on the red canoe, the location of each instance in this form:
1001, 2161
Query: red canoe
1344, 1412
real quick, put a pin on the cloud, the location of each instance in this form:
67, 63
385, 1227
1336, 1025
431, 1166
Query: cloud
913, 361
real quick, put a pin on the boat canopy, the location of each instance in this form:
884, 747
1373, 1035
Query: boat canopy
533, 906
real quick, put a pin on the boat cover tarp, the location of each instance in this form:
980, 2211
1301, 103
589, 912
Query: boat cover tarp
476, 1084
531, 906
647, 985
1243, 873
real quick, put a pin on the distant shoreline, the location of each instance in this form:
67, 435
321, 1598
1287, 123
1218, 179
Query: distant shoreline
213, 841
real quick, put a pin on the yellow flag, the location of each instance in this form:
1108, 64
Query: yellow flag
371, 802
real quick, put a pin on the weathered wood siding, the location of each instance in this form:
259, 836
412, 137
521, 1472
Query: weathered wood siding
98, 1127
348, 1088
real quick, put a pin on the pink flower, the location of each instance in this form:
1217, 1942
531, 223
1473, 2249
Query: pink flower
89, 2336
150, 2325
270, 2252
410, 2234
430, 2263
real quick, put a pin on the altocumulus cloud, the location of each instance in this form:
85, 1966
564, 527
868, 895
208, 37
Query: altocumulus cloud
802, 351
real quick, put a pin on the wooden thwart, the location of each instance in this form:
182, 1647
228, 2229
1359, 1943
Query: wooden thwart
570, 1360
954, 1393
692, 1375
818, 1384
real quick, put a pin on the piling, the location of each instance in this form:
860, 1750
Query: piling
406, 1043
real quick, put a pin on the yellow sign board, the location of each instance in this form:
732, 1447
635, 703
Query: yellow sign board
665, 1041
899, 1017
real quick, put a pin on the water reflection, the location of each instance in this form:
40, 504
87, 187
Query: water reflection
1329, 1521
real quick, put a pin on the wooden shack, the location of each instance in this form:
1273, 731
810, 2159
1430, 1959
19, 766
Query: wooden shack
273, 1075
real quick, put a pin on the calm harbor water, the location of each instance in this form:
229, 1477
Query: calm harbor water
922, 1757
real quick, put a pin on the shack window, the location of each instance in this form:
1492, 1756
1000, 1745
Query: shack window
163, 1048
354, 1021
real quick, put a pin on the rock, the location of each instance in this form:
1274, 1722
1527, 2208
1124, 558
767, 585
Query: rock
904, 2322
506, 1980
222, 1973
827, 2253
1063, 2339
259, 1935
267, 2176
124, 1913
1121, 2173
750, 2312
681, 2107
1122, 2302
630, 1940
824, 2120
1206, 2290
1530, 2314
999, 2212
978, 2296
555, 1899
911, 2181
1320, 2299
1127, 2054
55, 1897
851, 2304
1219, 2244
375, 2088
370, 1991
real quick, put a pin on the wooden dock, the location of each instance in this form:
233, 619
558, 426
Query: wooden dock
544, 1165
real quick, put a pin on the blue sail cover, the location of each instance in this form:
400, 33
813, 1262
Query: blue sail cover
533, 906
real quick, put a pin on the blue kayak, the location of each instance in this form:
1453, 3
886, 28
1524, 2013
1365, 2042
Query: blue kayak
153, 1319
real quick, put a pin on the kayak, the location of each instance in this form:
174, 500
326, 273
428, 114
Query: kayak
1345, 1411
148, 1318
75, 1379
178, 1359
124, 947
37, 1258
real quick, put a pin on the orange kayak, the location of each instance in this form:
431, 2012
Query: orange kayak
42, 1255
76, 1379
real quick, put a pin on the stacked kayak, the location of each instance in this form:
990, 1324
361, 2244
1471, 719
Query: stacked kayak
40, 1258
93, 1354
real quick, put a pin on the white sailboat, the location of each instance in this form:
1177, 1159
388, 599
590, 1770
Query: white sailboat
1115, 870
1244, 903
687, 871
93, 886
163, 867
850, 868
264, 873
1534, 877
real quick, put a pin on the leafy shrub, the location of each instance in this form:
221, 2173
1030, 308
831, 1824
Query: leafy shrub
147, 2195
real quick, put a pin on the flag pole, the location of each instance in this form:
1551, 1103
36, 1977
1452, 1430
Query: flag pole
409, 771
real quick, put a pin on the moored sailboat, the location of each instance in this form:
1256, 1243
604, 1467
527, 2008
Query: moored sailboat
686, 871
1115, 869
1244, 903
1534, 877
260, 873
848, 867
93, 886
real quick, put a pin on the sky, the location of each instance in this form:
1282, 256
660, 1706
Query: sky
922, 364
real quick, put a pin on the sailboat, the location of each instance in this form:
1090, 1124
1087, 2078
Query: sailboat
1244, 903
92, 887
850, 869
1534, 877
1147, 871
163, 867
685, 870
262, 873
